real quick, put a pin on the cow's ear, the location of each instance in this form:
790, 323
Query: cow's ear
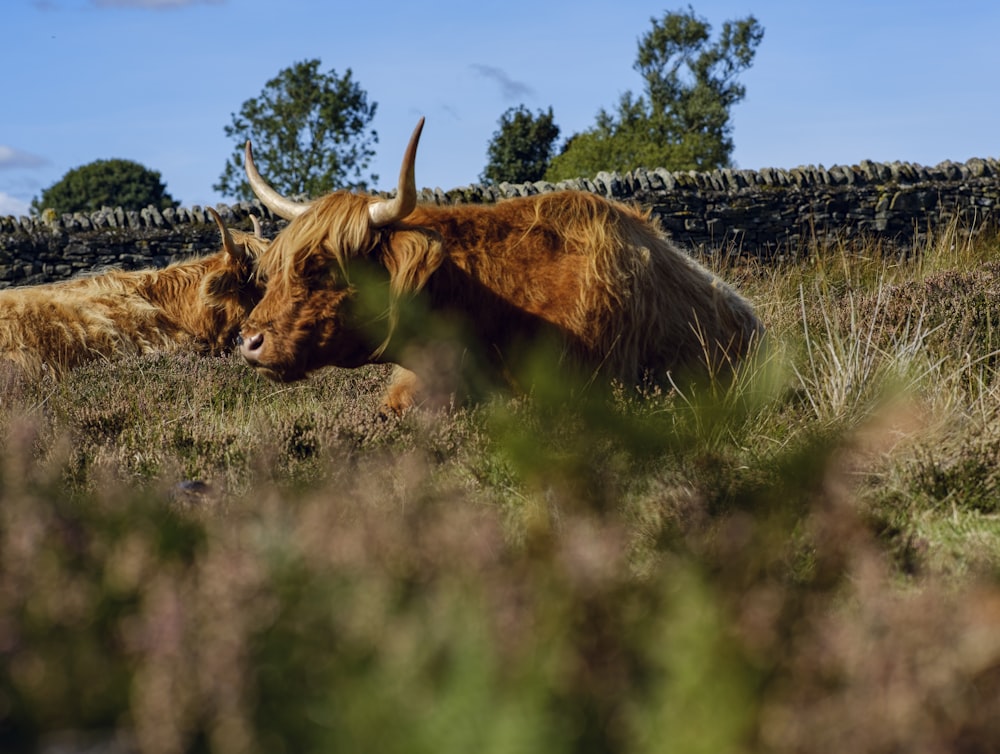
411, 257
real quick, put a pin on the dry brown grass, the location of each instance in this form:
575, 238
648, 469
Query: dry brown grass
806, 560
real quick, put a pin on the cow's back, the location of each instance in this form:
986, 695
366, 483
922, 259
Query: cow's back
48, 327
600, 272
111, 314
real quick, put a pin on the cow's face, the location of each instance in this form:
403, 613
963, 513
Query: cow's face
306, 318
230, 286
333, 276
332, 285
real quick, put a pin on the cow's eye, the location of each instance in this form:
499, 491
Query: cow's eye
314, 267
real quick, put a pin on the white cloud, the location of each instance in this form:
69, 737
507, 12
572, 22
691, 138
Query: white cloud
152, 4
11, 205
11, 158
510, 89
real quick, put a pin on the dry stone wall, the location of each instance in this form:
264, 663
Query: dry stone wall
34, 250
769, 214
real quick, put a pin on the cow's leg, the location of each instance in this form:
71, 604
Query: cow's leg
402, 390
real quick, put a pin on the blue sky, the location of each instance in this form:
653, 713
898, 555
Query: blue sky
156, 81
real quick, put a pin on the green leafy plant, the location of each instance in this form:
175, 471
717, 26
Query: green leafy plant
111, 183
311, 134
522, 147
682, 121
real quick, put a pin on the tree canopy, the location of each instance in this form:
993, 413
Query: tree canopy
310, 131
113, 183
522, 147
682, 121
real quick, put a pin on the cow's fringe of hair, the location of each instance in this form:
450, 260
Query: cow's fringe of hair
337, 230
340, 219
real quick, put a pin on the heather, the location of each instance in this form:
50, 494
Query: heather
799, 557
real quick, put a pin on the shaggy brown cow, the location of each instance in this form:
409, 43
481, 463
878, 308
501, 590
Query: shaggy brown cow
195, 304
620, 299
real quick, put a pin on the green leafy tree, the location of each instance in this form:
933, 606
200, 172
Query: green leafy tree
682, 122
113, 183
310, 134
522, 147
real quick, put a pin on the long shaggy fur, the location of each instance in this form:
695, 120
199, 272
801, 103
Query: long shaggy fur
195, 305
599, 275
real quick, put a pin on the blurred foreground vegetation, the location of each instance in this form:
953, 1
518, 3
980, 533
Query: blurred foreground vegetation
193, 559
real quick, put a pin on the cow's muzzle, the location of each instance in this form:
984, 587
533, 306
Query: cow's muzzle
250, 346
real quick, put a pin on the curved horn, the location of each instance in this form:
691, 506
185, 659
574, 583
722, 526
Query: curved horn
391, 210
235, 250
278, 204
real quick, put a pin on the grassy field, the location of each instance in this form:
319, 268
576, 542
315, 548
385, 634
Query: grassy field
193, 559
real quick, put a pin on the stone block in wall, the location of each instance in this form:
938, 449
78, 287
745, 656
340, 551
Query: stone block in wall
978, 168
151, 217
911, 201
609, 184
640, 180
870, 171
769, 176
836, 181
666, 178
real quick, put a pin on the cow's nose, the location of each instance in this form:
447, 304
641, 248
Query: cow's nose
250, 346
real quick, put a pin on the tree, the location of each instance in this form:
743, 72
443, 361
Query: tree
683, 120
521, 149
310, 134
114, 183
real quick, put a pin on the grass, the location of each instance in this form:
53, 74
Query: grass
806, 558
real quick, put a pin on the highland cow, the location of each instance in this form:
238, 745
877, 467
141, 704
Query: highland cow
194, 305
596, 277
